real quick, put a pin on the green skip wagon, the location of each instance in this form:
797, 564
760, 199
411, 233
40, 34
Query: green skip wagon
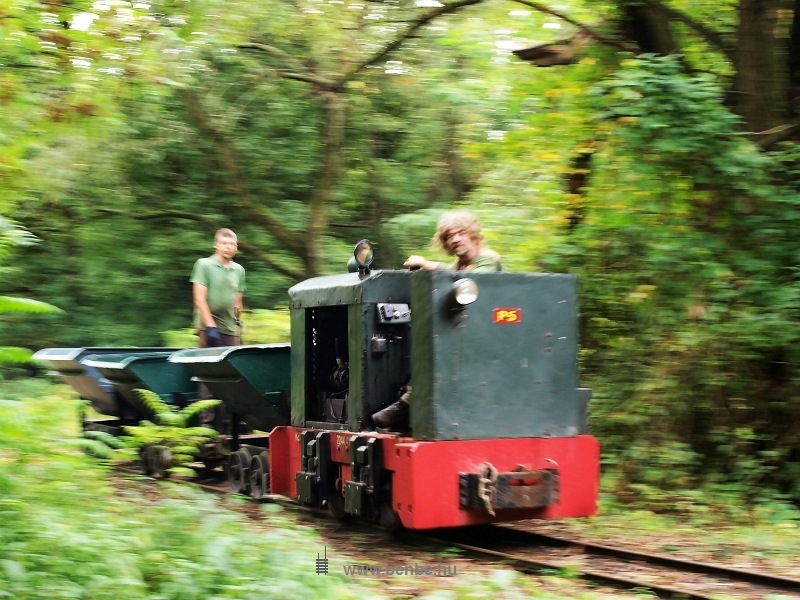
129, 371
253, 382
91, 385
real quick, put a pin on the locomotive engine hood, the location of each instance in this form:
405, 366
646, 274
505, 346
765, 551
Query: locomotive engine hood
505, 365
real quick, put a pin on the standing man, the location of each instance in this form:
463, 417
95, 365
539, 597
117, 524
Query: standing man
218, 292
459, 234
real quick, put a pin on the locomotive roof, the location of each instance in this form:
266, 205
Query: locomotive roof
332, 290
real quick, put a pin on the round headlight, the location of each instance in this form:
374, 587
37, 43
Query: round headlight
465, 291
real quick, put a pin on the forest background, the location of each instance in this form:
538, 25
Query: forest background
649, 147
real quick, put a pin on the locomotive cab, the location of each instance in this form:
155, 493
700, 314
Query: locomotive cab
350, 345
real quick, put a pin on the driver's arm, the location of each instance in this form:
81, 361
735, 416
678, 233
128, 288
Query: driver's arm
419, 262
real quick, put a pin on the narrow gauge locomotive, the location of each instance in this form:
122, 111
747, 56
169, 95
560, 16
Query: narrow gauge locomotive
498, 424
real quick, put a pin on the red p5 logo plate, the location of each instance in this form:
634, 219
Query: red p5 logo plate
507, 316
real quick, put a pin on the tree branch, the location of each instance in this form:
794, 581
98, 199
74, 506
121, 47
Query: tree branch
226, 155
295, 69
397, 42
211, 226
563, 52
772, 136
712, 37
585, 28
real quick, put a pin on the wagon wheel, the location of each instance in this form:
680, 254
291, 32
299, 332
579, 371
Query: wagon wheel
389, 519
145, 460
259, 475
160, 458
336, 501
210, 464
238, 467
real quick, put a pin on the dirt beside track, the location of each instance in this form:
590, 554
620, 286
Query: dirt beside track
427, 567
711, 545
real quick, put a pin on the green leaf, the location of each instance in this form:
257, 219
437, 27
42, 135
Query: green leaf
9, 355
24, 305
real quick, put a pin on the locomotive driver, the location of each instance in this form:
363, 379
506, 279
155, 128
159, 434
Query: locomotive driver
459, 234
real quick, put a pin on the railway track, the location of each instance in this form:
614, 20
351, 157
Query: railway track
614, 566
666, 576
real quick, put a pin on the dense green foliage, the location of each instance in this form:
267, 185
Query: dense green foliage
172, 431
689, 288
67, 533
13, 236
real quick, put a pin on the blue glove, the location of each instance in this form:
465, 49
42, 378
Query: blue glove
212, 337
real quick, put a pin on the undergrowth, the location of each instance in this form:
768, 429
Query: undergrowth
67, 532
173, 430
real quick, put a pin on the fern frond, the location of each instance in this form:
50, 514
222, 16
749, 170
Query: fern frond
106, 438
129, 452
182, 471
12, 234
196, 408
93, 448
144, 423
152, 401
10, 354
182, 459
205, 433
144, 433
186, 448
170, 419
170, 430
10, 304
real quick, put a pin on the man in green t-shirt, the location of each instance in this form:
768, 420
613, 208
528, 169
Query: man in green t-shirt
218, 292
459, 234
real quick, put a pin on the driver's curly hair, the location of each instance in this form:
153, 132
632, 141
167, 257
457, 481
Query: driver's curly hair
457, 219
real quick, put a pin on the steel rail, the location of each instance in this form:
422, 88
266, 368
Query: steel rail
498, 542
790, 583
504, 542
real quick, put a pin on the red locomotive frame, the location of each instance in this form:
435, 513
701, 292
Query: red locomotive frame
426, 479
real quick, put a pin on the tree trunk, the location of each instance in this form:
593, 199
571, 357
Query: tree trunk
650, 31
758, 96
793, 96
335, 110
